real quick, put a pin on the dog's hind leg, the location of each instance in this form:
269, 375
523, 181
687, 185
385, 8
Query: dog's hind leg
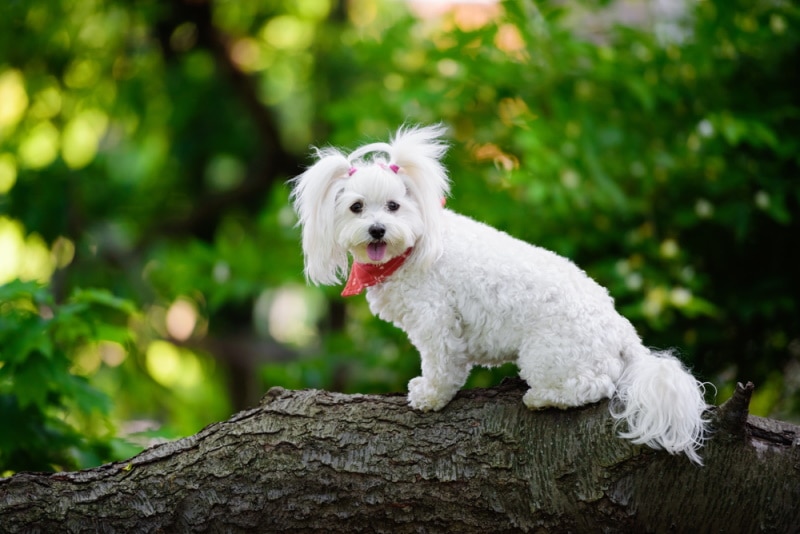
563, 377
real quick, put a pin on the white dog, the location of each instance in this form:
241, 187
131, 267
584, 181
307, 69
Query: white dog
467, 294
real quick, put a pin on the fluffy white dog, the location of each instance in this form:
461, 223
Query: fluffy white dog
467, 294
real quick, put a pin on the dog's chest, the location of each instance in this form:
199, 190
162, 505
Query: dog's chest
432, 316
400, 303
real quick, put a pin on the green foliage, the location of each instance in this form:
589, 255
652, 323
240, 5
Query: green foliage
54, 418
145, 148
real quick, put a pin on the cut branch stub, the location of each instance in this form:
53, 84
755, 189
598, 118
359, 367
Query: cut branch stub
731, 416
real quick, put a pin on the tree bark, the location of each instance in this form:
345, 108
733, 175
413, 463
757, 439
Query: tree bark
328, 462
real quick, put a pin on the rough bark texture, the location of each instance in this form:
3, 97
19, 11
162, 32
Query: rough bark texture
318, 461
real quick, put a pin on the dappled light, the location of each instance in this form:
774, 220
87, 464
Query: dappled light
288, 314
8, 172
81, 138
172, 366
88, 359
39, 146
13, 98
26, 257
181, 319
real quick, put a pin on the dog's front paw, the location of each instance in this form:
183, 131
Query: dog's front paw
422, 395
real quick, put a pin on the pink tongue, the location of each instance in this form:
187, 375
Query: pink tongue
376, 250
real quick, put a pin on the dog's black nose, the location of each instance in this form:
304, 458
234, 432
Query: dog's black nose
377, 231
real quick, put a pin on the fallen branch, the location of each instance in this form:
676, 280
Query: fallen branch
319, 461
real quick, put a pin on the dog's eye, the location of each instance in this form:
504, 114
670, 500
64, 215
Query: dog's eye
392, 205
356, 207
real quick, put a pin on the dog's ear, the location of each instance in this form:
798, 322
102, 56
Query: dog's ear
314, 197
417, 151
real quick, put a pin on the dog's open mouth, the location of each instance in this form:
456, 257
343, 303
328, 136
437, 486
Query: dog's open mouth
376, 250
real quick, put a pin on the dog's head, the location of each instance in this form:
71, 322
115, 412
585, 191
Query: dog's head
374, 208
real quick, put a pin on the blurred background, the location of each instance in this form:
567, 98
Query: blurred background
150, 269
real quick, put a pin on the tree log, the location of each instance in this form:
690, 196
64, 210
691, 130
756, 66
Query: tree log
328, 462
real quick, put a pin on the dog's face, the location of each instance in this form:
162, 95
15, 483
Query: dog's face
376, 219
370, 208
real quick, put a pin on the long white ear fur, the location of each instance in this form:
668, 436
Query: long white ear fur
314, 201
417, 151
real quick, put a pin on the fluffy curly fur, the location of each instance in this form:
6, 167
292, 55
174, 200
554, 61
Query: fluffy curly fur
472, 295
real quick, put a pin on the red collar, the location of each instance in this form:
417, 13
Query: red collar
364, 275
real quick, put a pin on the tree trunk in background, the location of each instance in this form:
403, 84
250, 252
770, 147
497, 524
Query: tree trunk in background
318, 461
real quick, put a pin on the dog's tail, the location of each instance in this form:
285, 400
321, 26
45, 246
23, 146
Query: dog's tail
661, 403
